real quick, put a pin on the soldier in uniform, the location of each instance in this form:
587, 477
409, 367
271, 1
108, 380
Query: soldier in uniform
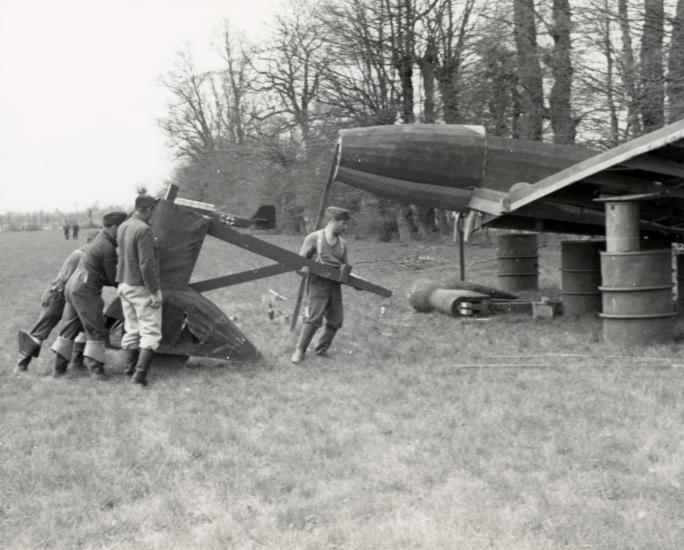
66, 228
84, 303
325, 296
52, 303
140, 291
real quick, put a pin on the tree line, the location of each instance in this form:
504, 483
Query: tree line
260, 125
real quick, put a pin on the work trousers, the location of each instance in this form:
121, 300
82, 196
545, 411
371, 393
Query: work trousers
83, 311
142, 322
52, 308
325, 303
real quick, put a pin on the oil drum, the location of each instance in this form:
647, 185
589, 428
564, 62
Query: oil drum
517, 262
581, 276
636, 292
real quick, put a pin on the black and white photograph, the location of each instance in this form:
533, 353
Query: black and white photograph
342, 274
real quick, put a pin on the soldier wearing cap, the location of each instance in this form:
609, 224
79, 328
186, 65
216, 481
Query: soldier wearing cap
325, 296
84, 303
139, 289
52, 302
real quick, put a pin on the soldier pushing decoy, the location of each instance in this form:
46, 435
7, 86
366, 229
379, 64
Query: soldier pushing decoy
84, 303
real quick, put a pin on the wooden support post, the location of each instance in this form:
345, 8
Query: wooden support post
171, 192
461, 247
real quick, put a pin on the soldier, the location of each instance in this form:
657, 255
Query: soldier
75, 228
84, 302
140, 290
52, 303
325, 296
66, 227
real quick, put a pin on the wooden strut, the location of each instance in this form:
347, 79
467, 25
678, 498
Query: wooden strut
287, 261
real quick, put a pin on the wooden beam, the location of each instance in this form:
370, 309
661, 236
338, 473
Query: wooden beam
241, 277
291, 260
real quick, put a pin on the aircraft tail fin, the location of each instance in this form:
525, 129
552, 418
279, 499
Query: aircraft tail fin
265, 217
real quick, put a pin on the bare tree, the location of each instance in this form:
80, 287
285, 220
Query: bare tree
452, 31
359, 84
560, 110
236, 53
193, 121
652, 78
291, 68
529, 70
675, 89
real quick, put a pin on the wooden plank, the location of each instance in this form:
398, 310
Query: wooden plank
241, 277
290, 259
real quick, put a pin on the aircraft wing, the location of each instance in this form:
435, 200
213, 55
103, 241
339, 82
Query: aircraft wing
649, 169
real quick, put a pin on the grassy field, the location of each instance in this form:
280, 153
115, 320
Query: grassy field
421, 431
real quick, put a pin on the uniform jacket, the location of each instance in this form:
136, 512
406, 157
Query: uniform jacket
138, 264
98, 264
68, 267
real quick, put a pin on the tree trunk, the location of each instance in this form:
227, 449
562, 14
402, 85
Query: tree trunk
652, 80
529, 70
675, 89
629, 72
426, 64
559, 101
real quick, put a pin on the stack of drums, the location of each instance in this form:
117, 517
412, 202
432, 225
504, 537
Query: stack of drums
637, 297
517, 262
581, 276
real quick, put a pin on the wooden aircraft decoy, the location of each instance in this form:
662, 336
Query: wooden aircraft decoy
192, 325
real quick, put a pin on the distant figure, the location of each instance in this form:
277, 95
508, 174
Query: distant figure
325, 246
66, 227
139, 289
52, 303
74, 230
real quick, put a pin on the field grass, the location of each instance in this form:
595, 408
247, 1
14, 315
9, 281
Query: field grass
418, 432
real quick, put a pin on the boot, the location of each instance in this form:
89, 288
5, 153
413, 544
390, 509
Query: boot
130, 360
77, 356
308, 331
29, 348
23, 363
143, 366
96, 368
60, 366
325, 340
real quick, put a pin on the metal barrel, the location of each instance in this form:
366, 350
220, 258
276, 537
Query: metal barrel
581, 276
680, 282
637, 297
517, 262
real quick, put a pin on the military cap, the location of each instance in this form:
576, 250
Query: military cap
336, 213
114, 218
145, 201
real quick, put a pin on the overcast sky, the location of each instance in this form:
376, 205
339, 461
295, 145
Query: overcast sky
80, 99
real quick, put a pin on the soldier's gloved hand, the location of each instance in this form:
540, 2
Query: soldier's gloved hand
156, 299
